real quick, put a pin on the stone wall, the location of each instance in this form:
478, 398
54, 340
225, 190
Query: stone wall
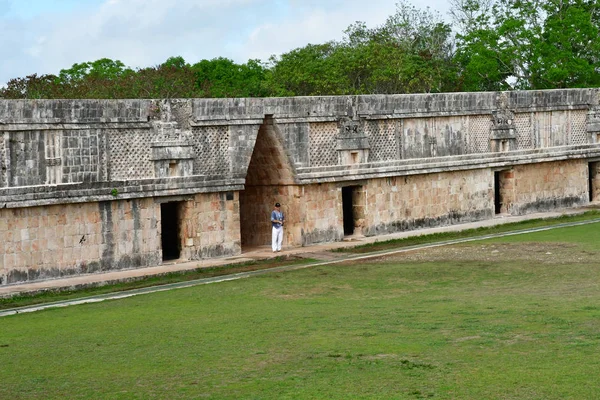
210, 226
270, 179
544, 186
61, 240
594, 171
412, 202
54, 241
86, 144
83, 182
322, 208
256, 204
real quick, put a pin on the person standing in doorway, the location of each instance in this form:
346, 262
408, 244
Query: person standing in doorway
277, 219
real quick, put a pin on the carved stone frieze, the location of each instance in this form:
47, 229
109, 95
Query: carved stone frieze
503, 134
352, 142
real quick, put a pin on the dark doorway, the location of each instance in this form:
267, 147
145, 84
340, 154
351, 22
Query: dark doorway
592, 177
171, 243
348, 209
497, 196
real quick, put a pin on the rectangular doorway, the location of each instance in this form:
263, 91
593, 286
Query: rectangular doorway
353, 209
593, 180
170, 230
348, 210
497, 194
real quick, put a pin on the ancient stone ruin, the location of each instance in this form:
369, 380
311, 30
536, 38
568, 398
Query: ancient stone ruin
97, 185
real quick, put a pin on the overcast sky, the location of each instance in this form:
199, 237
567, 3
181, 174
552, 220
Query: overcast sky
45, 36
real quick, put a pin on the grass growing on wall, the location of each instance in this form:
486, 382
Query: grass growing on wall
511, 318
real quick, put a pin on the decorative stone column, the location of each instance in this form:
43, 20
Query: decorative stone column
352, 143
503, 136
172, 154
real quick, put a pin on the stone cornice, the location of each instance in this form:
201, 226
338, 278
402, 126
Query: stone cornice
444, 164
30, 196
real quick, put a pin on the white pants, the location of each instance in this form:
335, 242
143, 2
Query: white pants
277, 238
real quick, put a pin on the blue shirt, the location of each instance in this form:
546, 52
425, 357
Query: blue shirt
276, 215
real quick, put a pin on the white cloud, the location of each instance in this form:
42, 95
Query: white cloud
318, 24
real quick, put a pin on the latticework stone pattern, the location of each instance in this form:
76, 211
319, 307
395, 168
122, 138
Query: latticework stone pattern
579, 134
479, 134
382, 139
522, 123
323, 144
560, 128
211, 146
129, 154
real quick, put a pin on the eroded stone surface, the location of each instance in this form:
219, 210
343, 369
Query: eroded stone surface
83, 182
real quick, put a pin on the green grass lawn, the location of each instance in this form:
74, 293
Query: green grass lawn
469, 233
510, 318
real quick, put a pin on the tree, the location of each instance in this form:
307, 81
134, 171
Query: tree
528, 44
221, 77
411, 52
32, 87
569, 46
423, 49
307, 71
103, 68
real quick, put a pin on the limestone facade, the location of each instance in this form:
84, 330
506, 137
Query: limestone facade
58, 240
89, 186
544, 186
594, 187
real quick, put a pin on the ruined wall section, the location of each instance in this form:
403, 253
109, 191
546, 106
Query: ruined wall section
323, 219
313, 214
76, 156
462, 130
130, 154
211, 147
256, 204
322, 142
594, 171
270, 179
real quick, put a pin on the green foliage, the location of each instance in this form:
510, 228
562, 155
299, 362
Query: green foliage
32, 87
308, 71
528, 44
103, 69
221, 77
410, 53
495, 323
